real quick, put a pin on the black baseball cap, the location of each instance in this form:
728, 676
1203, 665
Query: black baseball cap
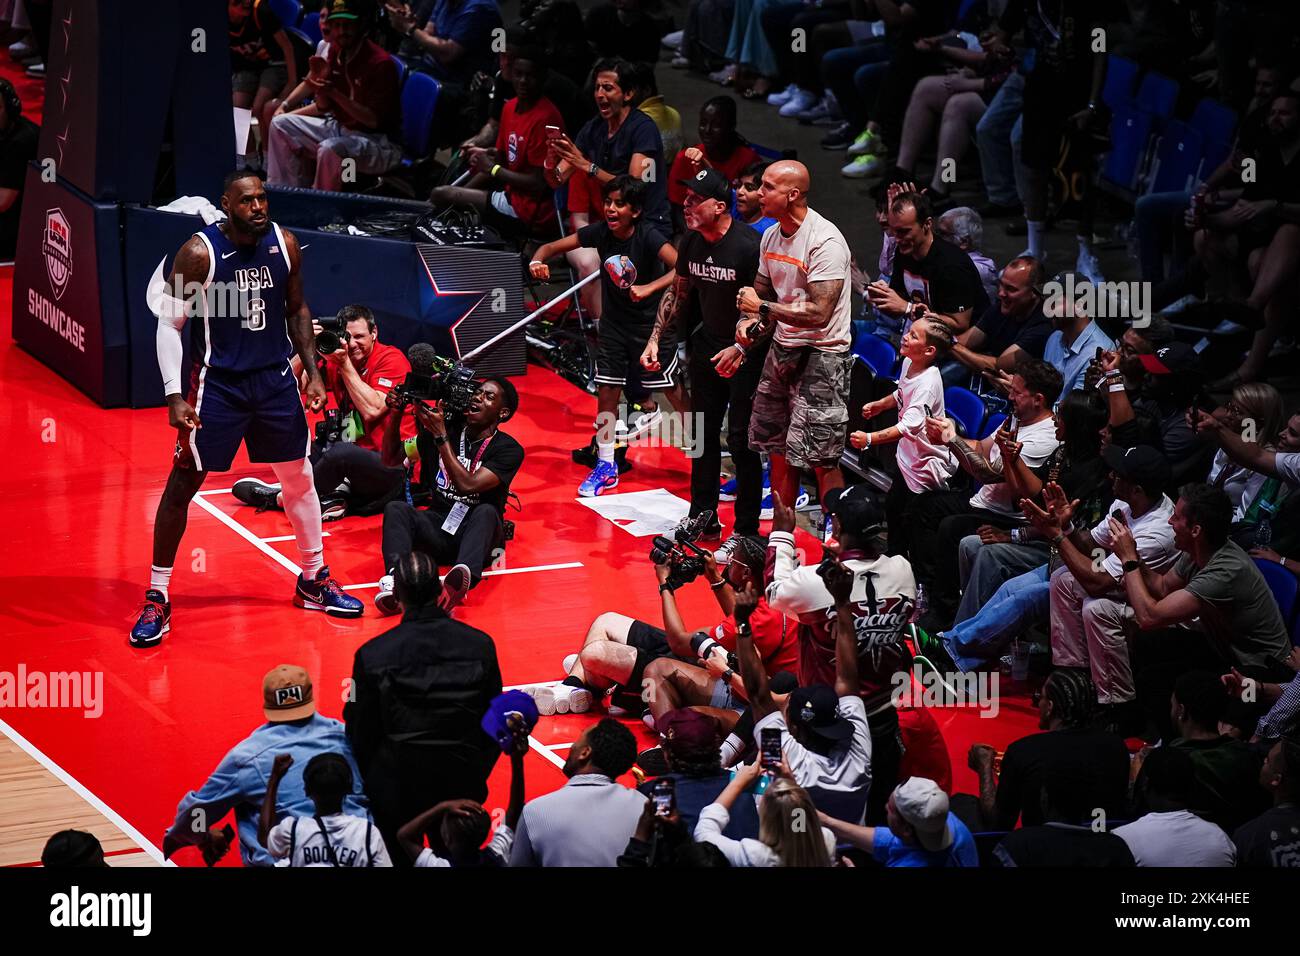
1171, 359
710, 184
857, 508
1143, 464
817, 709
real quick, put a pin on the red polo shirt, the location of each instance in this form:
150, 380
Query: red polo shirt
370, 78
385, 367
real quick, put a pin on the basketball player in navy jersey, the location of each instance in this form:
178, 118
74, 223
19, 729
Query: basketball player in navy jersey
248, 319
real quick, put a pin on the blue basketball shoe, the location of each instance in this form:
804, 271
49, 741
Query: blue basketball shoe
603, 478
323, 593
154, 621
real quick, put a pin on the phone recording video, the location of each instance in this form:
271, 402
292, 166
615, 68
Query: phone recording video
770, 748
665, 796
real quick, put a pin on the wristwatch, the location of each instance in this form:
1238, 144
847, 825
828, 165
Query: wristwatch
440, 439
665, 586
591, 170
763, 309
727, 675
1132, 566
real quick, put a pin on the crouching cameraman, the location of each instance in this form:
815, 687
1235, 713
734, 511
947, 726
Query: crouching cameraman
350, 476
466, 464
674, 667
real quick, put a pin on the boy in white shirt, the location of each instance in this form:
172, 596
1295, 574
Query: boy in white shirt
923, 464
331, 837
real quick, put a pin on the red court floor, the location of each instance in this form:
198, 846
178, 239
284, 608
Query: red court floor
79, 497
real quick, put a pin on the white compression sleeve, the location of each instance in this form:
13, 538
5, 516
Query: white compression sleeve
171, 319
302, 506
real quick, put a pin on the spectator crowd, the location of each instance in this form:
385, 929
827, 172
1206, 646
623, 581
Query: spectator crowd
1015, 469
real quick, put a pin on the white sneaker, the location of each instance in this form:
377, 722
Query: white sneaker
802, 100
649, 720
866, 142
673, 41
728, 548
783, 97
1088, 265
386, 600
862, 167
569, 662
562, 699
21, 49
642, 423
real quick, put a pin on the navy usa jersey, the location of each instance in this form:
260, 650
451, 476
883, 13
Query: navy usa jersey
240, 325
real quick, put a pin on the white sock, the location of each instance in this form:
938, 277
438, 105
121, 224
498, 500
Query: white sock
605, 451
160, 579
732, 749
1035, 230
302, 506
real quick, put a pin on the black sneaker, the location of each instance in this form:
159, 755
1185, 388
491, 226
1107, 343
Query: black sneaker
653, 762
332, 509
841, 137
258, 493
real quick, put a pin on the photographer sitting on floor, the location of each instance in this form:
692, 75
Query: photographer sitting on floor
349, 473
475, 461
675, 667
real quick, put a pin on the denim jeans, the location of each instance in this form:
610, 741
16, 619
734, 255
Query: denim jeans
748, 45
838, 70
998, 135
984, 567
1019, 602
1158, 218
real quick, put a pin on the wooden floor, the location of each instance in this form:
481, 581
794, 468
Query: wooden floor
37, 804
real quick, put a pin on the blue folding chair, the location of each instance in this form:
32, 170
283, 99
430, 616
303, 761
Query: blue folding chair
1157, 94
1283, 584
772, 155
309, 30
965, 408
419, 99
1178, 159
878, 354
992, 424
1217, 125
1130, 134
1295, 632
288, 12
1121, 73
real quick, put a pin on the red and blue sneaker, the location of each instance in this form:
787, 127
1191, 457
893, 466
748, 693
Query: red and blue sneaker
603, 478
154, 621
323, 593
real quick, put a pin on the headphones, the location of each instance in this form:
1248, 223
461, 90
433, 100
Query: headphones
13, 104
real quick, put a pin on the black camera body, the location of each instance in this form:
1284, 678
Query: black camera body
447, 382
684, 558
333, 334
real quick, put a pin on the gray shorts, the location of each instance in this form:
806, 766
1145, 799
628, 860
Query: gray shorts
271, 78
724, 697
801, 406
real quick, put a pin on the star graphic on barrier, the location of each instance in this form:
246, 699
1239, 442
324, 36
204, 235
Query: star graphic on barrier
67, 31
449, 309
62, 138
64, 82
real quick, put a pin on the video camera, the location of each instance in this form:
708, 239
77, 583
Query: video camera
333, 334
434, 378
684, 558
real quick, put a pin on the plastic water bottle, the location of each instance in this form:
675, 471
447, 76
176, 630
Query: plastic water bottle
922, 603
1019, 661
1264, 530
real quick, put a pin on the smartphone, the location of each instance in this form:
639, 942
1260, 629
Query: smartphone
1118, 516
1101, 350
929, 412
665, 796
553, 132
1012, 426
769, 753
1205, 403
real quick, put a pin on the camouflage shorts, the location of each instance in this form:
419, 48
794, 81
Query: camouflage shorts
800, 408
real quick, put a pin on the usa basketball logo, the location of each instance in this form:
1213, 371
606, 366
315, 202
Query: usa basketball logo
621, 271
56, 244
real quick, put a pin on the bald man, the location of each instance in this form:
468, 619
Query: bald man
801, 298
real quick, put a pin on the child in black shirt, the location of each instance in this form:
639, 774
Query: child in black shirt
634, 254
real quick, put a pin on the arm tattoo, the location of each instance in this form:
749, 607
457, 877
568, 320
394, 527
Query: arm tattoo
975, 464
814, 309
670, 305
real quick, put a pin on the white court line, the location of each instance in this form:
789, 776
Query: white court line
286, 537
557, 746
545, 752
247, 535
80, 790
213, 491
539, 567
